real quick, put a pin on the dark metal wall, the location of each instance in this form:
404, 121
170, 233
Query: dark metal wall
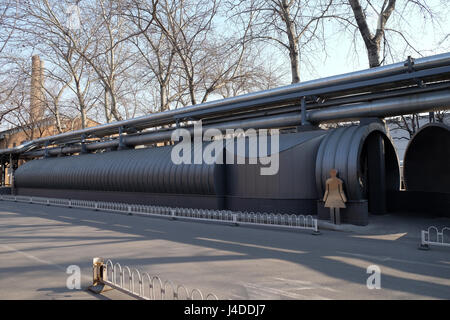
143, 170
427, 160
297, 155
291, 190
305, 159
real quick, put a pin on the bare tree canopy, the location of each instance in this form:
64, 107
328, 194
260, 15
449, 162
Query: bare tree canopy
387, 25
107, 60
292, 25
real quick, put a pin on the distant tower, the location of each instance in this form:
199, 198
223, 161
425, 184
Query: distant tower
37, 90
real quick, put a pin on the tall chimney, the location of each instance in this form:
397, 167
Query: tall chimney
37, 85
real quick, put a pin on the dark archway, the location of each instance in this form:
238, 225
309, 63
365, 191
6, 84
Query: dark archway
426, 172
427, 160
367, 163
379, 171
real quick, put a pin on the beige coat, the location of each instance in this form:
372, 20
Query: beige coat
334, 194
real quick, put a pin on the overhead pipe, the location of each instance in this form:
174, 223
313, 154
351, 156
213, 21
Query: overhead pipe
416, 103
278, 121
360, 98
163, 117
381, 108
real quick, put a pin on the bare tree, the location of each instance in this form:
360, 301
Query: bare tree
372, 41
255, 75
292, 25
187, 25
8, 13
45, 29
155, 50
8, 84
133, 56
202, 61
377, 40
20, 115
391, 25
408, 124
101, 41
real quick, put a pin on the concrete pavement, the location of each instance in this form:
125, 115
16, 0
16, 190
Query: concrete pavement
38, 243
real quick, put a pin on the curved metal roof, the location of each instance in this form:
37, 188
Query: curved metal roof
140, 170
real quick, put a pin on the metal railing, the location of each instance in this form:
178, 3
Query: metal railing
432, 236
143, 286
289, 221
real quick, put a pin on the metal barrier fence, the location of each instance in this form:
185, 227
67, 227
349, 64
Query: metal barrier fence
291, 221
142, 285
432, 236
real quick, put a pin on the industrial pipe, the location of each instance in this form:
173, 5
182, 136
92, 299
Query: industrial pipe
279, 121
381, 108
384, 108
162, 117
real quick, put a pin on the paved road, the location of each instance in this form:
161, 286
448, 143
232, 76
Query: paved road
38, 243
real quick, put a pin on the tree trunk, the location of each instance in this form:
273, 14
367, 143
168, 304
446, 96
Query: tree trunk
114, 111
83, 116
293, 42
293, 55
192, 91
58, 118
163, 97
81, 103
372, 44
107, 111
373, 53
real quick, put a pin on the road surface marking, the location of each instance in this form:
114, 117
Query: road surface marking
392, 259
34, 258
152, 230
308, 283
279, 292
65, 217
122, 226
93, 221
388, 237
251, 245
397, 273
